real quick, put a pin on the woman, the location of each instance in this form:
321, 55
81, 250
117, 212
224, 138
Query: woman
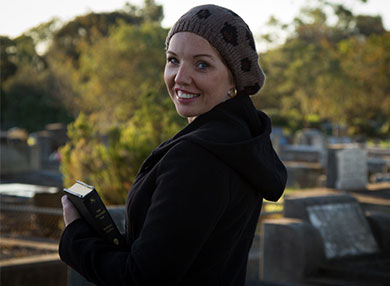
194, 206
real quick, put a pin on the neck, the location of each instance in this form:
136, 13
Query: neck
190, 119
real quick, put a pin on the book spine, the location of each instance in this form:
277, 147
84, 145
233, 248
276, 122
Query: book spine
102, 220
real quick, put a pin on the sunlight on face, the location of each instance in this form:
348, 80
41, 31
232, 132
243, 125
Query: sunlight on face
196, 77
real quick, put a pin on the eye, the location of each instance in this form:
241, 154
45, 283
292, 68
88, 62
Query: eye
172, 60
202, 65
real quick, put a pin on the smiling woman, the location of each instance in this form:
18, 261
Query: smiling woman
193, 209
196, 77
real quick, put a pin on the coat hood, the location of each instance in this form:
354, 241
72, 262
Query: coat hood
238, 135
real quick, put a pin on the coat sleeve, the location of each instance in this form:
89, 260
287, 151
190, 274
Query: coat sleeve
191, 194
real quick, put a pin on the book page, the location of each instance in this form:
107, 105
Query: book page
80, 189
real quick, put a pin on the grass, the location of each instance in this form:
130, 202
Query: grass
380, 144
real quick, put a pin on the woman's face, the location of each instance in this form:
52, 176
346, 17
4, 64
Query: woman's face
196, 77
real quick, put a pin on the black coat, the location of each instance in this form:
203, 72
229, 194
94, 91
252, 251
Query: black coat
193, 208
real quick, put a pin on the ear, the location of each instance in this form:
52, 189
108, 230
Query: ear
232, 92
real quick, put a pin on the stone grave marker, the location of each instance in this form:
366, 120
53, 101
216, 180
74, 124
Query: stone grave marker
351, 169
344, 229
278, 139
331, 166
347, 168
301, 153
311, 137
327, 238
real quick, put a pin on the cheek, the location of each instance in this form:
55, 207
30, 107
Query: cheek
220, 83
169, 82
168, 77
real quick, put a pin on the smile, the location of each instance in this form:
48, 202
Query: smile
183, 95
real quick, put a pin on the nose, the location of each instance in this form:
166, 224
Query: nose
183, 75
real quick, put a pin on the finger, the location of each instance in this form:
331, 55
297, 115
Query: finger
63, 200
66, 203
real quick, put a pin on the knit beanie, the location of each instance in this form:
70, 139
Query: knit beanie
232, 38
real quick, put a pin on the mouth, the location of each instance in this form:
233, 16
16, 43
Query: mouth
186, 95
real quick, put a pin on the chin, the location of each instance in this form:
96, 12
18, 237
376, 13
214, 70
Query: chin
186, 114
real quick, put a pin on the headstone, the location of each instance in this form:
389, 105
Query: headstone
290, 250
58, 134
318, 140
346, 168
331, 168
336, 140
278, 138
14, 157
253, 266
44, 144
341, 244
311, 137
351, 169
48, 224
377, 165
375, 152
34, 157
301, 153
344, 229
304, 175
25, 190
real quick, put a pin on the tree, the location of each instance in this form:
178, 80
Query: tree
111, 162
27, 95
17, 53
28, 101
365, 90
83, 39
83, 31
330, 73
118, 69
8, 64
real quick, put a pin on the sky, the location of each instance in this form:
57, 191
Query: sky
18, 16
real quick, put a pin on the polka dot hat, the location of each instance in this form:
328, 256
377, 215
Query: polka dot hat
232, 38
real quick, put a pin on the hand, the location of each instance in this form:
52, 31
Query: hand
70, 213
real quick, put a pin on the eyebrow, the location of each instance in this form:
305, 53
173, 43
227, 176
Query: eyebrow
195, 56
204, 55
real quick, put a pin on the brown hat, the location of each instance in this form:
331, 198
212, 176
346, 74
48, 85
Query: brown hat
232, 38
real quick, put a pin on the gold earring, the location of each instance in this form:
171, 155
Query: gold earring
232, 92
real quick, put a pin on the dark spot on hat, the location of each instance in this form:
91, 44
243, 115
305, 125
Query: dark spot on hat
246, 65
229, 34
249, 37
252, 89
203, 14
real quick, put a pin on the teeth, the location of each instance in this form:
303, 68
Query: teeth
181, 94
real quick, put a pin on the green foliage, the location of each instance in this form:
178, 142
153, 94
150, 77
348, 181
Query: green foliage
111, 162
28, 99
8, 64
18, 53
330, 73
103, 62
27, 102
84, 31
111, 86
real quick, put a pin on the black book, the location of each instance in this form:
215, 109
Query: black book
91, 207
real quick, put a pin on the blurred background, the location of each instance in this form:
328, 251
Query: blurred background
83, 97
